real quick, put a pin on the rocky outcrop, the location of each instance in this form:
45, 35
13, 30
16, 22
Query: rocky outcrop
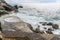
3, 12
55, 26
55, 38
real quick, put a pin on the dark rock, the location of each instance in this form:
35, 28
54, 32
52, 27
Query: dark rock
50, 29
0, 27
50, 24
30, 26
0, 38
45, 28
7, 8
55, 38
2, 12
55, 26
45, 23
20, 6
49, 32
16, 8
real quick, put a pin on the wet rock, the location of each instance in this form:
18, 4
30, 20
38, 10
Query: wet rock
49, 32
50, 24
7, 8
16, 8
55, 26
3, 12
50, 29
55, 38
44, 23
30, 26
0, 27
20, 6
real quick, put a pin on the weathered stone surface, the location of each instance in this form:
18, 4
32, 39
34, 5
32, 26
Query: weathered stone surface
16, 23
55, 26
35, 36
55, 38
3, 12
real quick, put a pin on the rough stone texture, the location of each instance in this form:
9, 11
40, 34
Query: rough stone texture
55, 26
35, 36
55, 38
3, 12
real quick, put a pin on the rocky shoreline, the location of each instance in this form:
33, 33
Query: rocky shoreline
26, 27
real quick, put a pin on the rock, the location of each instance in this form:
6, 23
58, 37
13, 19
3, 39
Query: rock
55, 26
38, 31
49, 32
55, 38
7, 8
20, 6
50, 29
3, 12
2, 1
0, 27
35, 36
16, 23
16, 8
1, 8
50, 24
44, 23
30, 26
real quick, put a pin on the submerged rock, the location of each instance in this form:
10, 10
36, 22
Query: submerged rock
55, 26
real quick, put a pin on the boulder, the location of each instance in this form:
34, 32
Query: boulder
50, 24
55, 26
44, 23
20, 6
